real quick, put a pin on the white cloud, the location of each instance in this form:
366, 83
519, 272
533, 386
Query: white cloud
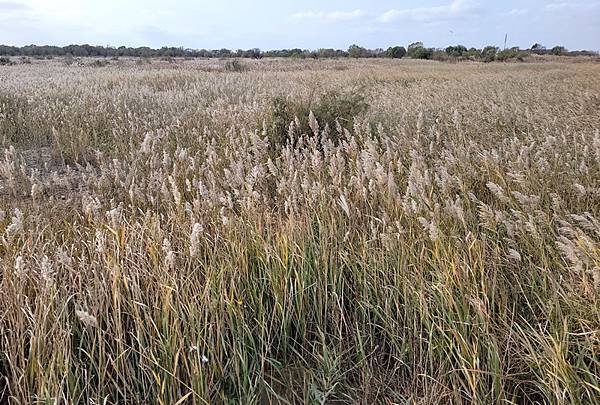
456, 9
517, 12
558, 6
330, 16
572, 5
12, 6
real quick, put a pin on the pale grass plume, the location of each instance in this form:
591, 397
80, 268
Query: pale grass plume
195, 239
16, 225
86, 318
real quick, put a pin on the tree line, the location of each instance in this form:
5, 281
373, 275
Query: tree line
415, 50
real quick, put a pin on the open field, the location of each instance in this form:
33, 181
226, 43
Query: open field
280, 231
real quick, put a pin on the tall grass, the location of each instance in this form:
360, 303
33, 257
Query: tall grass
443, 247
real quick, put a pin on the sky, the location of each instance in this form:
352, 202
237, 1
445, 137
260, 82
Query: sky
307, 24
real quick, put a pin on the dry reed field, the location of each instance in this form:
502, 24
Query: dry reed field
281, 231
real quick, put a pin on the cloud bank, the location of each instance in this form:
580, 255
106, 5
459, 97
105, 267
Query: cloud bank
454, 10
330, 16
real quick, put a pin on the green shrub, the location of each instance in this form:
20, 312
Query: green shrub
472, 53
489, 53
512, 53
330, 109
456, 51
558, 50
420, 52
396, 52
355, 51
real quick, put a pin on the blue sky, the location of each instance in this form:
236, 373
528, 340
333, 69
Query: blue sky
271, 24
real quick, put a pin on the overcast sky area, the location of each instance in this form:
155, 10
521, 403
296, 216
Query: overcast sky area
310, 24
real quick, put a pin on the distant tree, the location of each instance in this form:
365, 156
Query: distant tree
472, 53
489, 53
145, 52
456, 51
512, 53
76, 50
326, 53
255, 53
423, 53
537, 47
297, 53
396, 52
417, 50
355, 51
224, 53
415, 45
377, 53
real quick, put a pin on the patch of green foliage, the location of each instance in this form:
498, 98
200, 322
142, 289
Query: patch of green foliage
488, 54
396, 52
511, 53
330, 109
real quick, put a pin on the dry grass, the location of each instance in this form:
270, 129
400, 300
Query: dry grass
158, 246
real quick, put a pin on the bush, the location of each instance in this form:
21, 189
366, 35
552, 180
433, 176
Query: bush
558, 50
235, 65
489, 53
422, 53
456, 51
332, 108
472, 53
355, 51
5, 61
512, 53
396, 52
418, 51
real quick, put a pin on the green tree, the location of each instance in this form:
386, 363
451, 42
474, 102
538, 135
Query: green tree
537, 47
396, 52
489, 53
355, 51
416, 50
558, 50
472, 53
456, 51
412, 47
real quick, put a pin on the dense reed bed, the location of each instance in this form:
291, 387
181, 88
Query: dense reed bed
422, 233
